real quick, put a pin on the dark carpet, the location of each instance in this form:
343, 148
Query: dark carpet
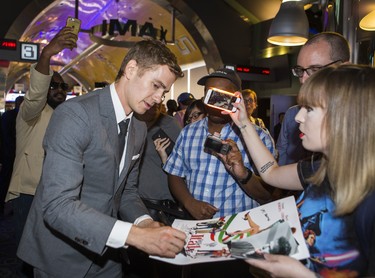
8, 259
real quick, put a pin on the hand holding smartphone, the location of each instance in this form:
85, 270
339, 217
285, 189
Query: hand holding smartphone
161, 134
221, 99
74, 24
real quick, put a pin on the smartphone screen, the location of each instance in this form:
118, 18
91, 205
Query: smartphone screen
75, 23
161, 134
221, 99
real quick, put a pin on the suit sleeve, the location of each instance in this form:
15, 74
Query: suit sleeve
68, 199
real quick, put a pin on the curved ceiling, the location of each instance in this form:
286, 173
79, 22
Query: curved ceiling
93, 61
205, 33
202, 33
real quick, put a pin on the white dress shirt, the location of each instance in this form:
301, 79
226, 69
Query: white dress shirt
121, 229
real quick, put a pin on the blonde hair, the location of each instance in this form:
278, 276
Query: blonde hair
347, 93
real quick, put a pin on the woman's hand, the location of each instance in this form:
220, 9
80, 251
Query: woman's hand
160, 145
240, 117
281, 266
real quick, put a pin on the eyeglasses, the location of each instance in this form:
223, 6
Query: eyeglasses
193, 116
298, 71
55, 86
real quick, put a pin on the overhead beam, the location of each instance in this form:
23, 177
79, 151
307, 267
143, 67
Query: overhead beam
252, 19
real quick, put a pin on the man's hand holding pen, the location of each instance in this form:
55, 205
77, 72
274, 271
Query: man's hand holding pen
161, 241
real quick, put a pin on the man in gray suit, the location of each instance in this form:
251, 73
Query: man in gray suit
86, 208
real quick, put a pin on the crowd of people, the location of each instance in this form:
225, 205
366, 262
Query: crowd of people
101, 177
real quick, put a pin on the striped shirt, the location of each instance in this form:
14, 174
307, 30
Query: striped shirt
205, 175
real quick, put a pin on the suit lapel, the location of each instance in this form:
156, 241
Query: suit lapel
109, 119
108, 116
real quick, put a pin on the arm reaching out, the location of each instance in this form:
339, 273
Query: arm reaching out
63, 39
285, 177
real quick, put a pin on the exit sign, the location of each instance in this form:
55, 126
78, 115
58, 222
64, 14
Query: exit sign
8, 44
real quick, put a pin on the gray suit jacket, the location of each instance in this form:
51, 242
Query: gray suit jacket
81, 194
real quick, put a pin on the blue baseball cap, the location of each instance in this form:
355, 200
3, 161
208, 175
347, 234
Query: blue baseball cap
185, 98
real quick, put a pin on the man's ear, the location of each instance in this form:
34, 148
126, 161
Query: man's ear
131, 69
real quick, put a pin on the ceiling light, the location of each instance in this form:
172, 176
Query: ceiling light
290, 27
368, 22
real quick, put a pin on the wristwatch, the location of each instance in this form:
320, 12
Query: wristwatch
247, 178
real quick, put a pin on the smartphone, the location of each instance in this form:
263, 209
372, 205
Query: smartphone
214, 144
221, 99
161, 134
75, 23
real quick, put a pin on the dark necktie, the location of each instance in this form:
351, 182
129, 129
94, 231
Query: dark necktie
121, 136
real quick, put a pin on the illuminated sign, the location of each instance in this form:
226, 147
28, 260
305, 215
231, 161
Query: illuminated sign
255, 70
146, 29
114, 27
251, 73
12, 50
29, 51
8, 44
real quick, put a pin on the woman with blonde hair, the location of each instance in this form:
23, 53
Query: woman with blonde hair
338, 203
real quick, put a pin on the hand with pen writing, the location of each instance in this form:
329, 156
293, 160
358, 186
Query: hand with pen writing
155, 239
